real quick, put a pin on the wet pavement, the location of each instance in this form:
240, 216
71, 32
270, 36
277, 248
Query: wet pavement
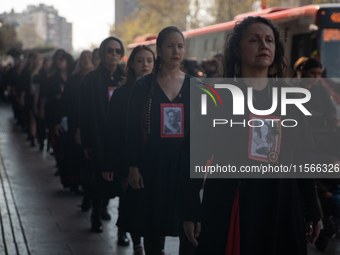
39, 217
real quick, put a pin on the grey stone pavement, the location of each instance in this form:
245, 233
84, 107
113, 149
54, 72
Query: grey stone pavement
39, 217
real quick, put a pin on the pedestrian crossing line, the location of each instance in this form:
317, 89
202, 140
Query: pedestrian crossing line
13, 239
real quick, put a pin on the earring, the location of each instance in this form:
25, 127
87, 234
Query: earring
272, 71
237, 71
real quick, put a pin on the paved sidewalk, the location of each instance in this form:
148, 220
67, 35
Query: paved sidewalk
39, 217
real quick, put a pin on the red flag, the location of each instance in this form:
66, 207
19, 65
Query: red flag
233, 242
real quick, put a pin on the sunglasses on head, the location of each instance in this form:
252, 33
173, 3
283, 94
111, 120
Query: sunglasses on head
110, 51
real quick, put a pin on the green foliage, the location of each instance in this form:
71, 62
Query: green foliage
151, 17
29, 36
8, 38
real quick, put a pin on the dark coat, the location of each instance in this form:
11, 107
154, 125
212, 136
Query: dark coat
93, 105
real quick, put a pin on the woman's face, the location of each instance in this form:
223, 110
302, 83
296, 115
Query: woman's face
257, 47
313, 73
172, 50
38, 61
142, 63
96, 59
86, 61
112, 58
61, 64
171, 118
264, 130
47, 65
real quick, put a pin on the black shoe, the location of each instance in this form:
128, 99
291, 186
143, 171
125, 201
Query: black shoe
96, 225
122, 239
104, 215
86, 204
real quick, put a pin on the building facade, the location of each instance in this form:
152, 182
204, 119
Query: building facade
49, 27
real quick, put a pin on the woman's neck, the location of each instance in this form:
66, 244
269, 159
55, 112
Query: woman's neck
85, 71
255, 78
166, 72
111, 68
63, 74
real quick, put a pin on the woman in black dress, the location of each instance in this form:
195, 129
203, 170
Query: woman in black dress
29, 84
140, 62
265, 216
156, 178
67, 126
95, 93
56, 86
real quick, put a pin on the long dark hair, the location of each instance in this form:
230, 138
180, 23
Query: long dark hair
162, 36
311, 63
55, 57
130, 72
234, 39
70, 62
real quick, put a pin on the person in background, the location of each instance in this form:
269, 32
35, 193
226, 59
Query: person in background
95, 58
45, 110
41, 121
56, 86
95, 93
298, 67
140, 62
320, 105
68, 124
155, 193
251, 215
32, 99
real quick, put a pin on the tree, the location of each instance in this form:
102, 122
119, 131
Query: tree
8, 38
29, 36
151, 17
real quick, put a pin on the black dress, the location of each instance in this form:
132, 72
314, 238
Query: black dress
95, 92
115, 154
271, 213
70, 168
156, 209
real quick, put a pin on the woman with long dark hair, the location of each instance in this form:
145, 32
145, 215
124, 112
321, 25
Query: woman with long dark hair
154, 196
56, 86
67, 126
251, 215
140, 62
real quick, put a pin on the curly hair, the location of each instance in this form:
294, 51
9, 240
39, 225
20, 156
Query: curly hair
234, 39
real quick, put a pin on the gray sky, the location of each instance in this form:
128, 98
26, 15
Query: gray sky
90, 18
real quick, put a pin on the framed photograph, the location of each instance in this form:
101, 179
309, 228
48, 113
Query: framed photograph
264, 138
172, 120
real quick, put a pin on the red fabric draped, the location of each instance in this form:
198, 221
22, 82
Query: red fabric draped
233, 242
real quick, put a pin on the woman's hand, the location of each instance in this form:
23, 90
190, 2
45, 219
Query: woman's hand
108, 176
313, 232
58, 130
88, 153
191, 232
77, 137
135, 179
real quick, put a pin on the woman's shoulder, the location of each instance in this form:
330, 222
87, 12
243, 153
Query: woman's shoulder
144, 80
92, 74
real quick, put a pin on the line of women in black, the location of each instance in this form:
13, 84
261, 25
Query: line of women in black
133, 126
161, 199
152, 162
